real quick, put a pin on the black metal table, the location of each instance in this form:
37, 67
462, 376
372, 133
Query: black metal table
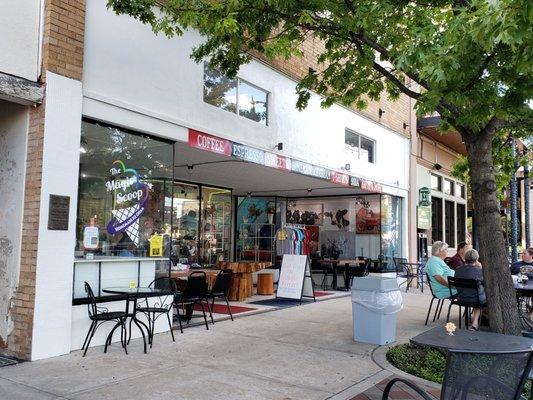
464, 339
523, 292
132, 295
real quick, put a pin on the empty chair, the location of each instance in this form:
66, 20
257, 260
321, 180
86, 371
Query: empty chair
220, 290
99, 315
480, 375
195, 292
161, 305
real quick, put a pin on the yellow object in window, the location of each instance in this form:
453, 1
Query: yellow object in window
156, 246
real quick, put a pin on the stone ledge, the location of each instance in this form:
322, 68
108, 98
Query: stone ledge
20, 90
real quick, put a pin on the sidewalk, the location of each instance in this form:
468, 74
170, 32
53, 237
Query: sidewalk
302, 352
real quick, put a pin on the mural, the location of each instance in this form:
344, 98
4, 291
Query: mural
367, 216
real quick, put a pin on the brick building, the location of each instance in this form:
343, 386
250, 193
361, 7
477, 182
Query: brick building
76, 92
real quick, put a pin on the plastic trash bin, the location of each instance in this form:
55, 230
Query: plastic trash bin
375, 303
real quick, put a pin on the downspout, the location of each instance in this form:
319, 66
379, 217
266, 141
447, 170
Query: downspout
514, 222
527, 215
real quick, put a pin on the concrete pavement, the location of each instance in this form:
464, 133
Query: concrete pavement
302, 352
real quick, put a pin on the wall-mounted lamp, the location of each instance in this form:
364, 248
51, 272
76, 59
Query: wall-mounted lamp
190, 167
437, 166
405, 125
312, 71
381, 112
346, 167
309, 190
279, 146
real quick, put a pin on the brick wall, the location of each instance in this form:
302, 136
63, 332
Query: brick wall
62, 54
395, 113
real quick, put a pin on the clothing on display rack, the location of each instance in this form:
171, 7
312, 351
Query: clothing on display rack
292, 239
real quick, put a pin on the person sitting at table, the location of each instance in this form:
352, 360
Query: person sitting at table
438, 271
525, 265
472, 270
459, 258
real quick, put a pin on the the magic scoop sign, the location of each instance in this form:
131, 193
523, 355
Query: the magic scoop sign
130, 201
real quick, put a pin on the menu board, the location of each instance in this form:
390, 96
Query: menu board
295, 279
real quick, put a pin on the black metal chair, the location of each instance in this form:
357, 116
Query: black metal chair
440, 303
220, 290
421, 274
195, 292
459, 284
98, 316
403, 270
359, 271
162, 305
481, 375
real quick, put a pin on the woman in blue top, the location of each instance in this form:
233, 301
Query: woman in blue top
438, 271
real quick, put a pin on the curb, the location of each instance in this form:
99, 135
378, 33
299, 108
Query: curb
379, 356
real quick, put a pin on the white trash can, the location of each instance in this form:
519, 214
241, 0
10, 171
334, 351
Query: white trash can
375, 303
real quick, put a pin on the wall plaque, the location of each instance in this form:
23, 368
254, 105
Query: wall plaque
58, 212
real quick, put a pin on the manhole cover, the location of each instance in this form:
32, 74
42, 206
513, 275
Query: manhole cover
4, 362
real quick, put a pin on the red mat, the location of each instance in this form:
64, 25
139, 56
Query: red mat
322, 294
223, 309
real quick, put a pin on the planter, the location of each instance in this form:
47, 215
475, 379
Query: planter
270, 218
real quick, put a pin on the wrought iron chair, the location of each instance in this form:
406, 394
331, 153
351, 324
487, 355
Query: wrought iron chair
463, 284
162, 306
480, 375
98, 316
195, 292
220, 290
440, 303
403, 270
358, 271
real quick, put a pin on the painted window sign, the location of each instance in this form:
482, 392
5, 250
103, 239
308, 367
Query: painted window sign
130, 200
248, 153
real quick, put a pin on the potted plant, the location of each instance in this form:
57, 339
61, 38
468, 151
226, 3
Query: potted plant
271, 210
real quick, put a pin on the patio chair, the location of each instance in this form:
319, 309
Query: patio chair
220, 290
162, 306
98, 316
463, 284
440, 303
195, 292
403, 270
480, 375
358, 271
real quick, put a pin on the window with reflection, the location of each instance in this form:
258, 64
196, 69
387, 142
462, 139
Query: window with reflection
124, 181
215, 226
185, 222
448, 187
235, 95
436, 182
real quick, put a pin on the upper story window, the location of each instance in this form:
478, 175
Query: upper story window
436, 182
449, 187
461, 190
235, 95
360, 147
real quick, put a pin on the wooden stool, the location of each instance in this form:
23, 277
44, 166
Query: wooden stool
265, 284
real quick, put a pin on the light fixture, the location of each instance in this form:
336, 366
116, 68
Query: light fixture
83, 150
312, 71
437, 166
309, 190
279, 146
190, 168
405, 125
346, 167
83, 143
381, 112
83, 175
249, 194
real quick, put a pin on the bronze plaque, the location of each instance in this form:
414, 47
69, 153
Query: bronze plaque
58, 213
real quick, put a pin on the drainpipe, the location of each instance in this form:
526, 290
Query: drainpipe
514, 222
527, 215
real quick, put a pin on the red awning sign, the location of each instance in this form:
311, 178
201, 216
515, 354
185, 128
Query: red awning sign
213, 144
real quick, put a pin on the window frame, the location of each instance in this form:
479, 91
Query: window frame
452, 186
238, 81
358, 148
439, 183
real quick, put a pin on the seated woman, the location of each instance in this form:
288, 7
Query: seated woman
472, 270
438, 271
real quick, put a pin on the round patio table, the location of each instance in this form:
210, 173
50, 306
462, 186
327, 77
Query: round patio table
523, 290
474, 341
132, 295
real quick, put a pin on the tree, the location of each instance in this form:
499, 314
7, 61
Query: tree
468, 60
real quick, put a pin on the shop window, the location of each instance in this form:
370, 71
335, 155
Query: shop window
449, 187
215, 226
461, 191
185, 222
360, 147
449, 223
461, 223
391, 227
436, 183
436, 219
235, 95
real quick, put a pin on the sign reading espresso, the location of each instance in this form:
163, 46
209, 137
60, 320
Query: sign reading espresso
203, 141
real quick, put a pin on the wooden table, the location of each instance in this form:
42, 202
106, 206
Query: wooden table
211, 275
242, 283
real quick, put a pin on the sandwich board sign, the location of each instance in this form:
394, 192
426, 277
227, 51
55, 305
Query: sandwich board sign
295, 280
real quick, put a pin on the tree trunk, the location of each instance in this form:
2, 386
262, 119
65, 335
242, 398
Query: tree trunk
501, 298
